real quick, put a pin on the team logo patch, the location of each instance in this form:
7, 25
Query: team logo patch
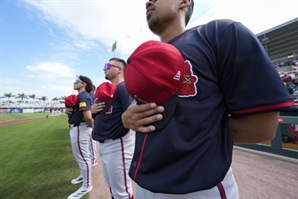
189, 87
82, 104
110, 110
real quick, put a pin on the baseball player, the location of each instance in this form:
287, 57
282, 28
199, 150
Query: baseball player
81, 123
93, 146
116, 143
69, 108
223, 100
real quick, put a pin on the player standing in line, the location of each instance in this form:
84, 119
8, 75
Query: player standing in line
224, 100
93, 146
81, 123
116, 143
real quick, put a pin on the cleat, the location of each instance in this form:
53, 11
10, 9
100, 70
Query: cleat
77, 180
80, 192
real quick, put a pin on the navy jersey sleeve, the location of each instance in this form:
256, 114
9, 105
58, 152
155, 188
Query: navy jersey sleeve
125, 98
247, 79
84, 101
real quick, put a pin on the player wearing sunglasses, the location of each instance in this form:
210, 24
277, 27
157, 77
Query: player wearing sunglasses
81, 123
116, 142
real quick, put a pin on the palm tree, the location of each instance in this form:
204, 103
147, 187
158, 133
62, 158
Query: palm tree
55, 99
33, 96
22, 96
8, 96
43, 98
62, 99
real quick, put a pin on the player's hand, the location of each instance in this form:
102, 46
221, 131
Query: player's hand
68, 110
138, 117
97, 106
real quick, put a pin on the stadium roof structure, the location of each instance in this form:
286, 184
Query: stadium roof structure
281, 42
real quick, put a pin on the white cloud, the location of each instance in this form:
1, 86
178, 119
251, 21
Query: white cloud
56, 88
12, 85
103, 21
49, 71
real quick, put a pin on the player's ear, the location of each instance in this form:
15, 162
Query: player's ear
185, 3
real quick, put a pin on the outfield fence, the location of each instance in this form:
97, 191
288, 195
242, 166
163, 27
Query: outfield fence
31, 110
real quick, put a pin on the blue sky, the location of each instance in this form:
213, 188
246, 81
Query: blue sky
45, 44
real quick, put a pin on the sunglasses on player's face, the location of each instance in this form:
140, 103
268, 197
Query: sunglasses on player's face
78, 81
108, 66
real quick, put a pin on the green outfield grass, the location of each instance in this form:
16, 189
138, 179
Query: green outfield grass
36, 160
15, 116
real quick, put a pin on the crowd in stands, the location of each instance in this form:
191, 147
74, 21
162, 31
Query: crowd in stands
290, 76
283, 63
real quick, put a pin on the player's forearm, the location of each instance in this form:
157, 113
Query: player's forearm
88, 118
89, 121
254, 128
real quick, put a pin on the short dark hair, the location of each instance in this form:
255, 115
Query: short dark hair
89, 84
189, 12
119, 60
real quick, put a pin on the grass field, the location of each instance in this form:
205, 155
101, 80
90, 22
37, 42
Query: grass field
36, 159
15, 116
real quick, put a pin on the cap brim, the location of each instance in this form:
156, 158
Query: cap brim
170, 107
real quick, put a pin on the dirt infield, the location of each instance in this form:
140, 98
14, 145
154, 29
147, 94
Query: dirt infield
11, 122
259, 175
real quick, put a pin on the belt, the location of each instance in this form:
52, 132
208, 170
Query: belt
111, 139
77, 124
106, 140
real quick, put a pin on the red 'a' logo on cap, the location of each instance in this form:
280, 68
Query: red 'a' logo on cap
189, 84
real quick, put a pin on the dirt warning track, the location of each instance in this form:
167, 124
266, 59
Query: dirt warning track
11, 122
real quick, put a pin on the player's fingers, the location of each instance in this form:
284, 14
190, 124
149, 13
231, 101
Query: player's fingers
142, 125
138, 117
147, 129
147, 112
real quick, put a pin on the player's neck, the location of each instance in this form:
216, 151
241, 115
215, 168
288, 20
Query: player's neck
171, 31
81, 90
117, 80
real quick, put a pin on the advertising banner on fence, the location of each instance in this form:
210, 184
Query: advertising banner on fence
28, 110
16, 110
7, 110
38, 110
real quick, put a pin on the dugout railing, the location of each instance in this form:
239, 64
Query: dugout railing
276, 147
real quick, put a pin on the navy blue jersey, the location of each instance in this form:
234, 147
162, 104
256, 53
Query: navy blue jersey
83, 104
228, 72
92, 98
109, 125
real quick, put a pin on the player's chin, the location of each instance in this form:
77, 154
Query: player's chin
153, 26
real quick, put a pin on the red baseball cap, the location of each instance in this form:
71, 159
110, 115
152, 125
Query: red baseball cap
154, 73
105, 92
70, 101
